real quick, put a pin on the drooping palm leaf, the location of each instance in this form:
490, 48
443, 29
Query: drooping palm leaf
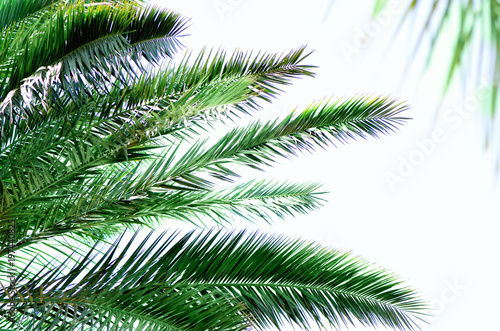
475, 56
239, 279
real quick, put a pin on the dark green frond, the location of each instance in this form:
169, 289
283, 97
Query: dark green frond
102, 296
75, 27
13, 11
242, 279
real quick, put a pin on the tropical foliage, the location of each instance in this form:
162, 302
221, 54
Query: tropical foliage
102, 132
476, 52
476, 38
475, 56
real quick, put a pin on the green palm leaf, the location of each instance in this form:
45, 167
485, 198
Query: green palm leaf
74, 30
256, 279
248, 201
12, 12
260, 144
116, 38
163, 99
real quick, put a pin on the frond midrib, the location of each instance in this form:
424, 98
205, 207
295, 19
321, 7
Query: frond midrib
385, 303
262, 197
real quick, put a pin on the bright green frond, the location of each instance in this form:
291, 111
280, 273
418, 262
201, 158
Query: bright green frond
249, 201
259, 144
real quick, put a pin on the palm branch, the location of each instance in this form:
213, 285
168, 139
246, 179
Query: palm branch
217, 281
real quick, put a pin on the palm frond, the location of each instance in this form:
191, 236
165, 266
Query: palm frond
13, 11
259, 144
261, 280
154, 307
127, 195
95, 43
160, 100
247, 201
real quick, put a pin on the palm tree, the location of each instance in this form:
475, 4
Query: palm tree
102, 133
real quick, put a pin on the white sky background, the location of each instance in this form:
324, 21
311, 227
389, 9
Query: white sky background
437, 228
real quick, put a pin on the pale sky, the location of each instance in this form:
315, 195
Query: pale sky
434, 222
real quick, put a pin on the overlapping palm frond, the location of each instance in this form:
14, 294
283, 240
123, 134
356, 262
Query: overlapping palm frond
94, 122
11, 12
91, 39
97, 196
163, 99
91, 47
76, 159
216, 281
